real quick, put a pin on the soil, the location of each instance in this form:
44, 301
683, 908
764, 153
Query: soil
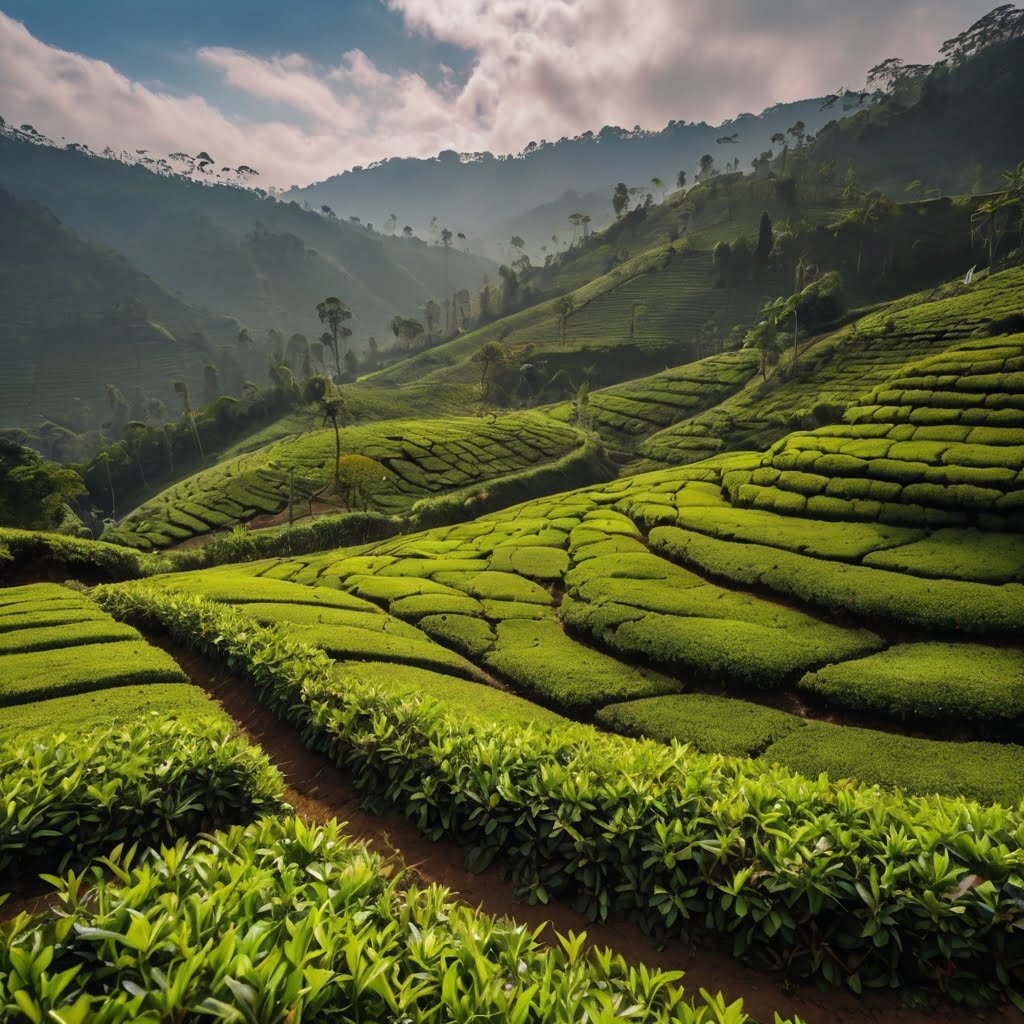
320, 791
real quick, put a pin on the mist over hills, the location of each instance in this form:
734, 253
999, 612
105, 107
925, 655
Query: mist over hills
490, 196
232, 251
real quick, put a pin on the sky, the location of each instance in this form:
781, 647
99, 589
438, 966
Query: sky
309, 88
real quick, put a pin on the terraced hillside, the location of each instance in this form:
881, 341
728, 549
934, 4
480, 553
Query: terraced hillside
421, 458
652, 308
627, 592
624, 414
939, 443
836, 371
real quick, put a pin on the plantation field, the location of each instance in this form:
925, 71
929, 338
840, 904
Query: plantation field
656, 303
836, 372
636, 602
421, 458
624, 414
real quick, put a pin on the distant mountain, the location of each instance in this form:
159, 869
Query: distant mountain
75, 316
478, 193
233, 251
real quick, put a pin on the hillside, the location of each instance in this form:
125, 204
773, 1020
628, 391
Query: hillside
265, 263
486, 195
76, 316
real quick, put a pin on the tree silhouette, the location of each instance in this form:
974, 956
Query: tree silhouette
333, 313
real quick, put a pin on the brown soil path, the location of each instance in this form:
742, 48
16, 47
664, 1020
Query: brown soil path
320, 791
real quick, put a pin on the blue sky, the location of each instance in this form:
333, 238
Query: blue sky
308, 88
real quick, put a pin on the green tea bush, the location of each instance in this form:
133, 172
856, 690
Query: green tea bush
891, 597
64, 801
284, 921
928, 680
81, 713
977, 771
47, 638
973, 555
716, 725
841, 882
94, 666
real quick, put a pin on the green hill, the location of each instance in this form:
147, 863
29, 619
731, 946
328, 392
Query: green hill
75, 316
233, 251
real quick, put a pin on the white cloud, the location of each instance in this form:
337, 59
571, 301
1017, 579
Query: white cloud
539, 69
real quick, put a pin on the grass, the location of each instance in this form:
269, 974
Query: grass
928, 681
716, 725
81, 713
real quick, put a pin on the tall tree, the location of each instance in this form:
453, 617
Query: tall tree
333, 312
681, 179
620, 198
489, 356
765, 238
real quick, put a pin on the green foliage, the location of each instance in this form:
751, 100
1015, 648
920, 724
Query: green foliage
928, 681
716, 725
34, 492
323, 934
873, 594
64, 801
52, 636
988, 772
82, 713
777, 863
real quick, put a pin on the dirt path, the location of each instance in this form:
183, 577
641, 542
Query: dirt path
320, 791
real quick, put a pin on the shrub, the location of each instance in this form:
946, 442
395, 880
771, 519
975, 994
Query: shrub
783, 867
318, 932
852, 589
716, 725
52, 637
64, 801
988, 772
928, 680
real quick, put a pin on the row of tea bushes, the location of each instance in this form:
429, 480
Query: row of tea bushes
287, 922
831, 880
420, 458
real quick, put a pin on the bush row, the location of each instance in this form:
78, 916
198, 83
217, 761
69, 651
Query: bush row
835, 881
287, 922
64, 801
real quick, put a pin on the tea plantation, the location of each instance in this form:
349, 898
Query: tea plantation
420, 458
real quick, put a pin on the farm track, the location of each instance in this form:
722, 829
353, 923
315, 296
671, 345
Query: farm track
320, 791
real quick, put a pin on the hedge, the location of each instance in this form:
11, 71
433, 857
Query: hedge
872, 594
284, 921
64, 801
835, 881
929, 681
716, 725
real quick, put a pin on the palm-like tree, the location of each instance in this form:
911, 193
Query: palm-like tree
333, 313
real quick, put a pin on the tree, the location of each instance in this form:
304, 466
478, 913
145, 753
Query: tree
489, 356
1000, 25
706, 169
446, 238
620, 198
431, 311
766, 339
798, 133
333, 312
681, 179
1002, 213
407, 231
765, 238
356, 479
575, 219
181, 390
351, 363
33, 491
721, 260
565, 307
211, 384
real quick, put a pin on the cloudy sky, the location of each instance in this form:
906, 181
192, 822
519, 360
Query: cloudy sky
304, 89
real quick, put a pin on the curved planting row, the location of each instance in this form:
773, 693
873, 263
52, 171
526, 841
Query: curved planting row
103, 742
940, 443
420, 458
287, 922
837, 881
835, 372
